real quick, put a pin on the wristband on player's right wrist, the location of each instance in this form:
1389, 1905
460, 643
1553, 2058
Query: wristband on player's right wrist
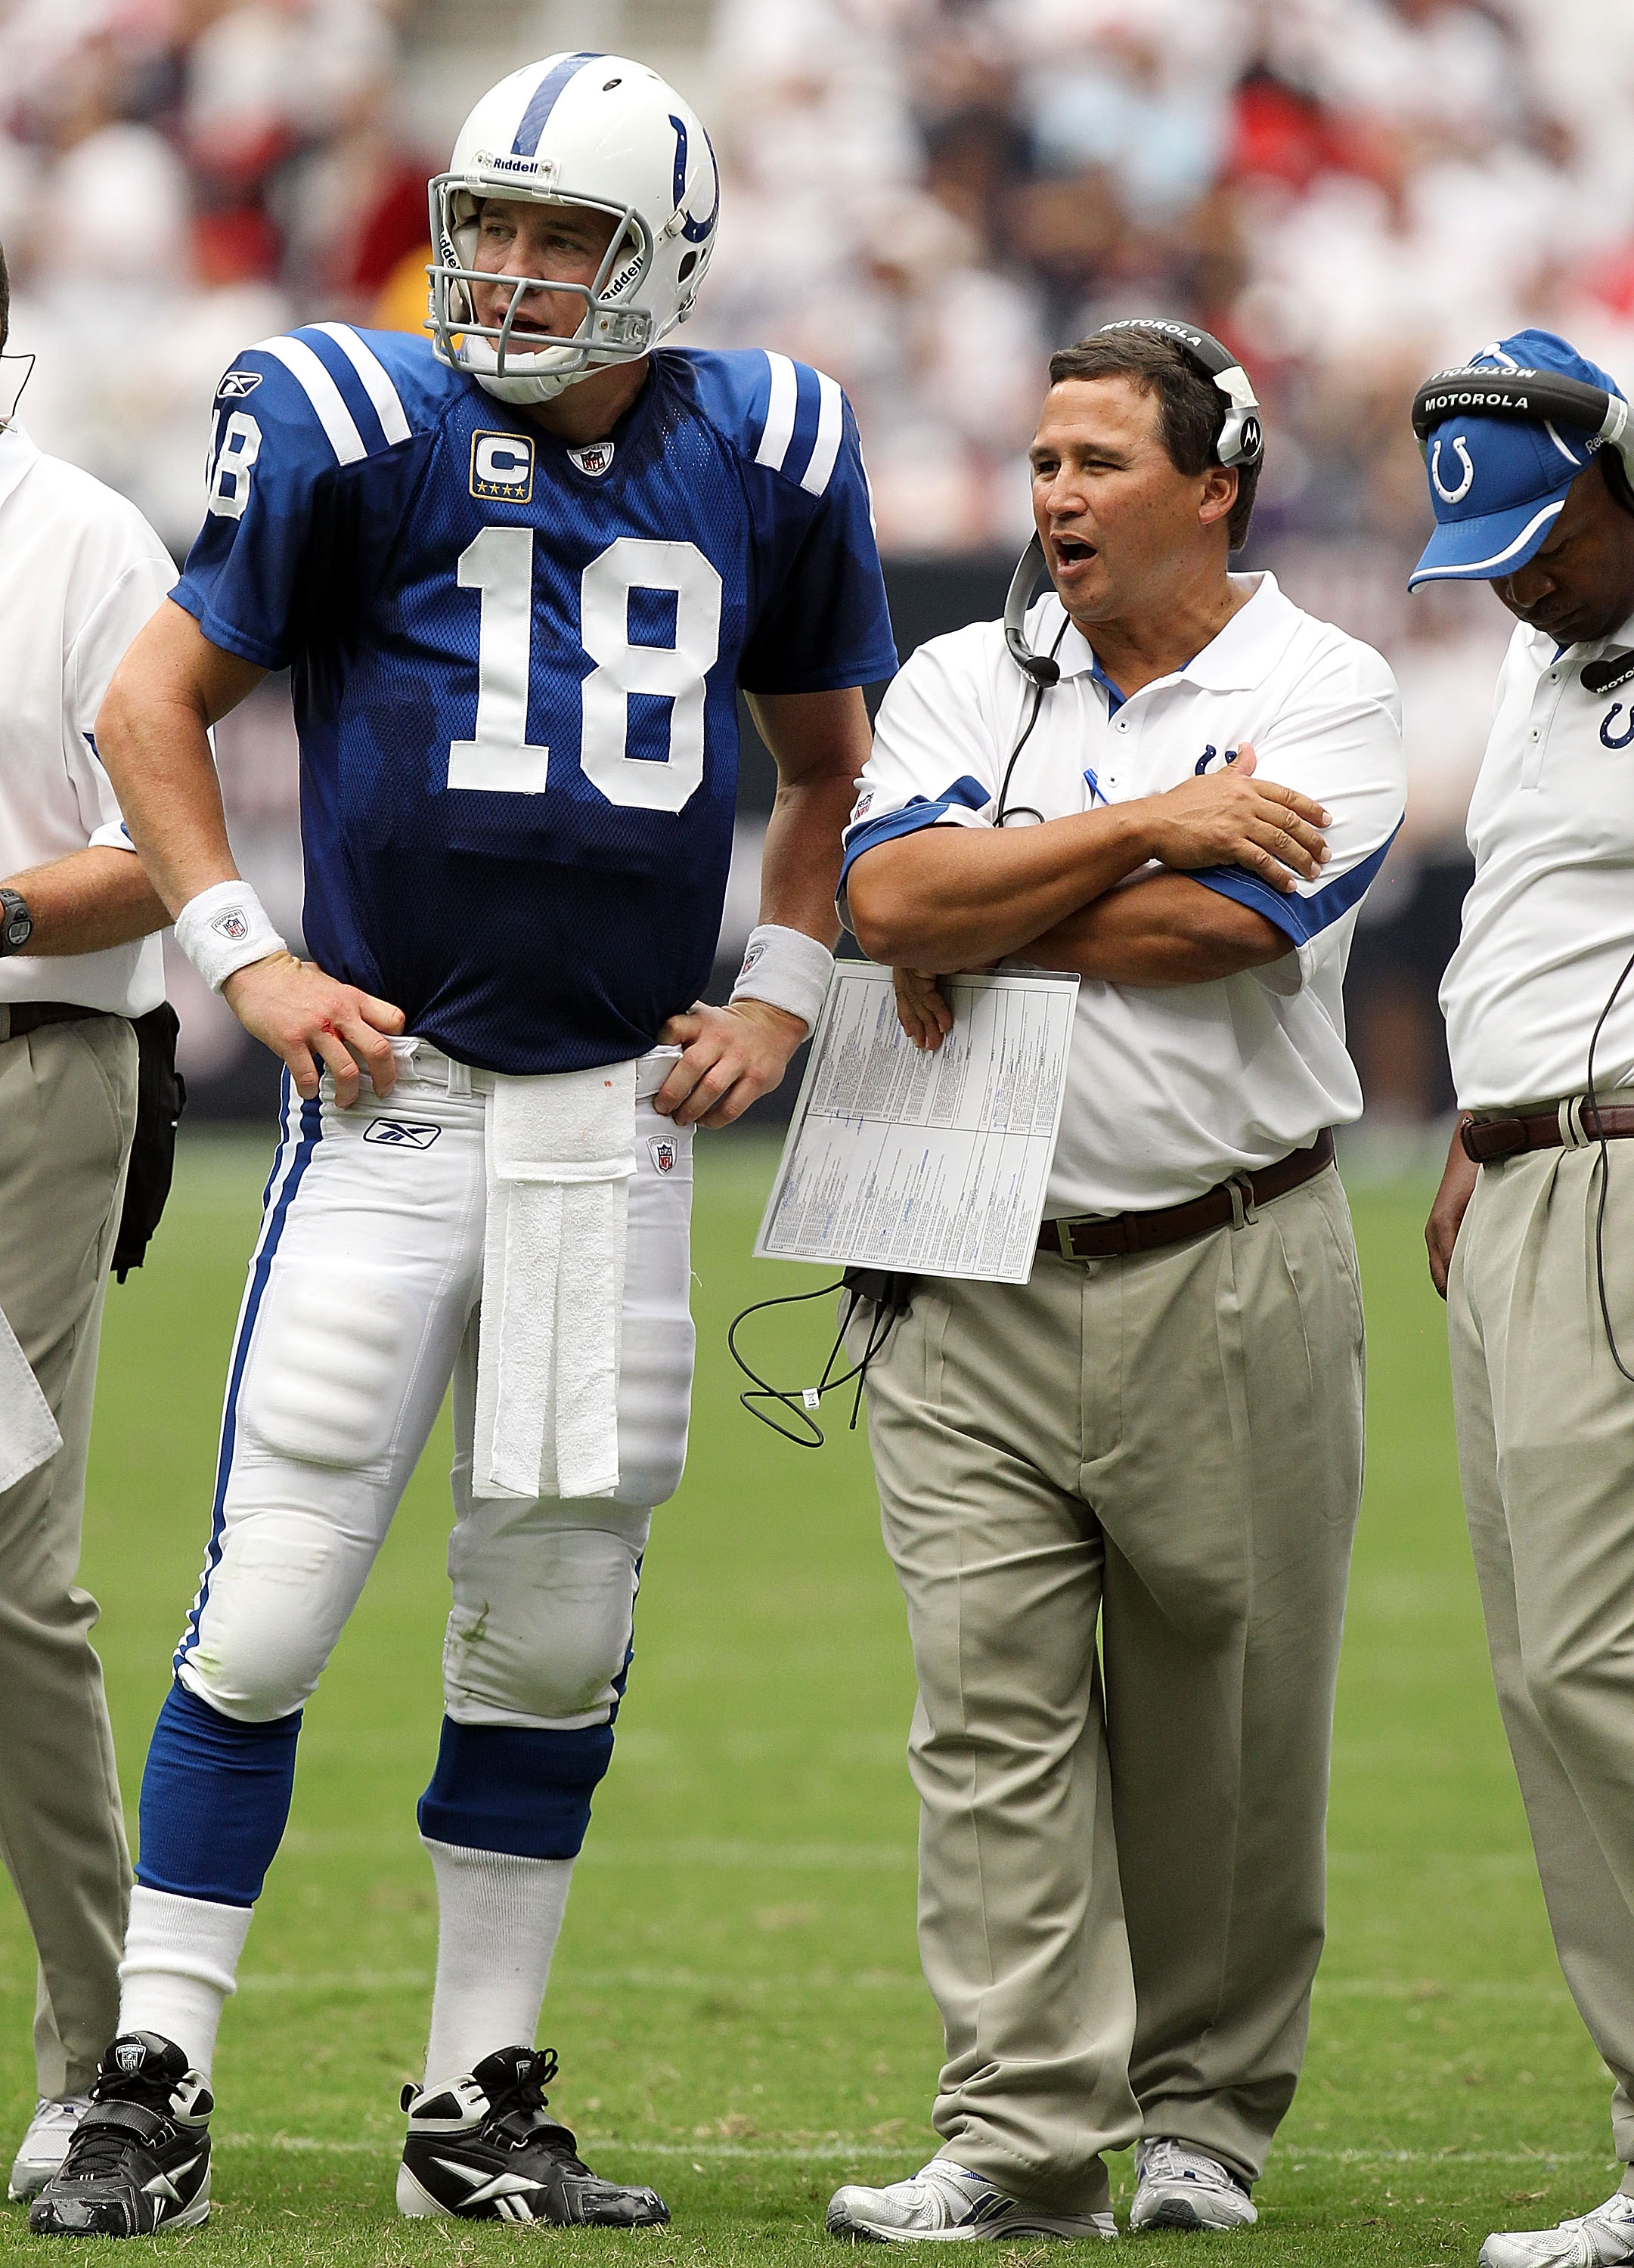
223, 929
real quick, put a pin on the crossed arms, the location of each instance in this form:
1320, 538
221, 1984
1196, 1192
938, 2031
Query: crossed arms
1061, 894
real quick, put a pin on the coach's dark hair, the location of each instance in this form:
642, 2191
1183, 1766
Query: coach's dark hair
5, 301
1191, 408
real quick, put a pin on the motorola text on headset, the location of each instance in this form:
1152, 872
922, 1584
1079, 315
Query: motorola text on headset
1241, 442
1548, 397
790, 1411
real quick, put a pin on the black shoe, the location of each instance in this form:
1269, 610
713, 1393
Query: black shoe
483, 2149
139, 2160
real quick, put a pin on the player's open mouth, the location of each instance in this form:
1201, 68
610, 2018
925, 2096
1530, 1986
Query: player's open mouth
1072, 550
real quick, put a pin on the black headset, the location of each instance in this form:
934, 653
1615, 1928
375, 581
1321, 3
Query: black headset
1534, 397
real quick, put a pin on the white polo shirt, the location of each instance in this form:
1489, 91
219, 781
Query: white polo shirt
1171, 1088
80, 572
1550, 918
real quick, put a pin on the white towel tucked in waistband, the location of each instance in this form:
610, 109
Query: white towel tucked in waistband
28, 1433
561, 1150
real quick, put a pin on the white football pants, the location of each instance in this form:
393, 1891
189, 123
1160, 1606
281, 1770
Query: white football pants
364, 1296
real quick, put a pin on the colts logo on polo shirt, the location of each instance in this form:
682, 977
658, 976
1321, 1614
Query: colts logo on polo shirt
502, 467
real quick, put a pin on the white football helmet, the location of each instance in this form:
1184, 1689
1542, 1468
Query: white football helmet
577, 130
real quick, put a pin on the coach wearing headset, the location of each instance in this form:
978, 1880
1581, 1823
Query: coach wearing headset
1121, 1894
1532, 1233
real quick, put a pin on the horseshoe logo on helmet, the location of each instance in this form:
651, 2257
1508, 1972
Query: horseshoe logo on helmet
693, 231
1447, 495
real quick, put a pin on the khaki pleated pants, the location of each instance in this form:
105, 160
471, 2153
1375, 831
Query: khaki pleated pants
68, 1099
1546, 1455
1121, 1883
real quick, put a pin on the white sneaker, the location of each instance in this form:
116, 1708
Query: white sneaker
943, 2201
1595, 2240
44, 2146
1180, 2188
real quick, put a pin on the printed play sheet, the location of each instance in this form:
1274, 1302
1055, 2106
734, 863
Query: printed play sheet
934, 1164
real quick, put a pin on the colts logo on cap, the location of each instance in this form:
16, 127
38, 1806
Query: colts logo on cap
1457, 495
502, 465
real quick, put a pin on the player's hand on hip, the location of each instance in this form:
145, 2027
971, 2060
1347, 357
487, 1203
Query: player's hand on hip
313, 1023
730, 1058
1231, 818
921, 1009
1452, 1202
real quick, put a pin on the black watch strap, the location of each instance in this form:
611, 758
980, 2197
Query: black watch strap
17, 923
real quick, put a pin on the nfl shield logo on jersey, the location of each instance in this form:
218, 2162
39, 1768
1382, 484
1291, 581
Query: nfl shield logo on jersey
662, 1151
502, 465
594, 460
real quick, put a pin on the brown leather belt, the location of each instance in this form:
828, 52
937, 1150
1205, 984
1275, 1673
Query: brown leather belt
1570, 1125
1232, 1202
18, 1018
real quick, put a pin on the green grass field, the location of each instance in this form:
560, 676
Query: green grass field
737, 1998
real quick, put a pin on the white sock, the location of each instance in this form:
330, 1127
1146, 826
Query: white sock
498, 1920
181, 1958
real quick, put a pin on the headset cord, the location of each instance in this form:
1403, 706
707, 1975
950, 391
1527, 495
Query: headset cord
1605, 1175
1025, 810
800, 1402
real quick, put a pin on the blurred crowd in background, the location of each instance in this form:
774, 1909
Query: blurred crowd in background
922, 198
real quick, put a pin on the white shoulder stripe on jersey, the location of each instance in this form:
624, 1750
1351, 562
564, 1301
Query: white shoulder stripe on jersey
826, 447
375, 376
779, 413
323, 393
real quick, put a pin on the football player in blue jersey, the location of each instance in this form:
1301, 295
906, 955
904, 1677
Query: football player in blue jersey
519, 574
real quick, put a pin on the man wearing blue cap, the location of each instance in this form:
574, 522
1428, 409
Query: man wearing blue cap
1531, 1237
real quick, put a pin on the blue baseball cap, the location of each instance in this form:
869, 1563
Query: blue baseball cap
1497, 484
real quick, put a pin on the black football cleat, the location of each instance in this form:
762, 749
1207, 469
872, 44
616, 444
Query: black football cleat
482, 2149
139, 2160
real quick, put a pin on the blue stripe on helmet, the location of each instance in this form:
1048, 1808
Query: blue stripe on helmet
543, 101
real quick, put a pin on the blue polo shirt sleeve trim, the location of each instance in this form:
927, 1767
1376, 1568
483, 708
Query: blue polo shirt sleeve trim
919, 811
1300, 918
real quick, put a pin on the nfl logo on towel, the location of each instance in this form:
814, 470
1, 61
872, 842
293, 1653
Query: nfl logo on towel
663, 1155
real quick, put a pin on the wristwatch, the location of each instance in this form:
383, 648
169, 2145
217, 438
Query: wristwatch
17, 923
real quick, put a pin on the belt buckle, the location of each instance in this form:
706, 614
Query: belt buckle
1063, 1237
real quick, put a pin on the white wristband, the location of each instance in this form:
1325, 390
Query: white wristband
225, 928
787, 968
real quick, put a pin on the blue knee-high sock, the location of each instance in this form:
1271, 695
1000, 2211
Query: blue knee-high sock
515, 1788
215, 1797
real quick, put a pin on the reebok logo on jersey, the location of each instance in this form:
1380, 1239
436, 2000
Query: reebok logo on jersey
502, 465
237, 384
594, 460
401, 1133
663, 1155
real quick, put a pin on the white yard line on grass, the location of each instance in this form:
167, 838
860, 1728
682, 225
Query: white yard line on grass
867, 1980
840, 2149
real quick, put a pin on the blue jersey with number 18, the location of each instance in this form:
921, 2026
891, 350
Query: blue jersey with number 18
515, 663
